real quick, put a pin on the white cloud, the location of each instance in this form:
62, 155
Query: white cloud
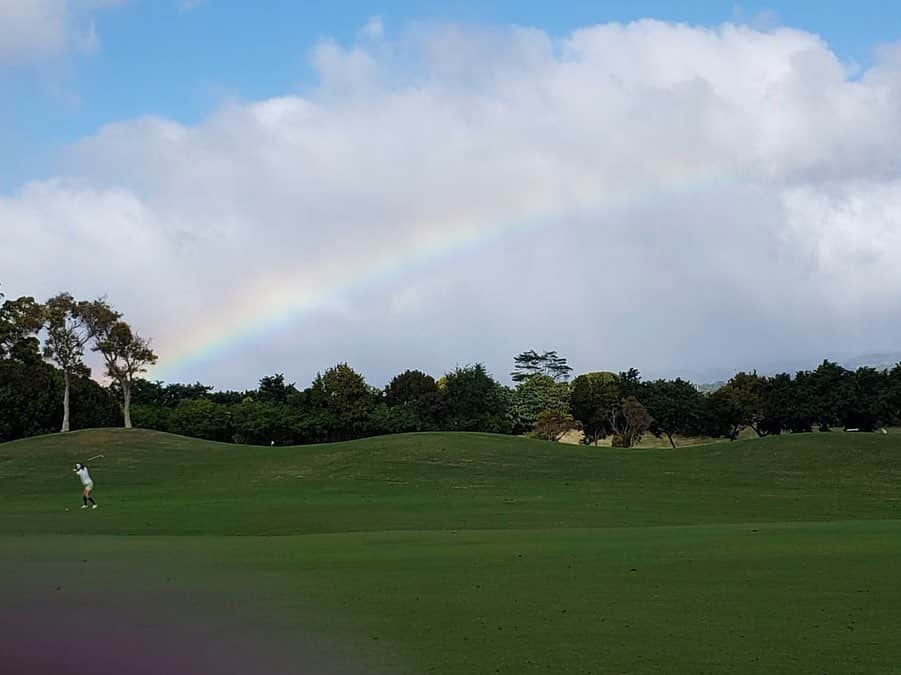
36, 30
676, 198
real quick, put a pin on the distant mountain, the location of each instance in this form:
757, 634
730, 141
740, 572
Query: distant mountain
877, 360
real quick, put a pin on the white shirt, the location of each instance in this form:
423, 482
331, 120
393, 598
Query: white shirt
84, 475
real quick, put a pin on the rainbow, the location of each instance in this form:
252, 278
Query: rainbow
274, 300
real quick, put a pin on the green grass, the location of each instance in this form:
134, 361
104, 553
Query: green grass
469, 553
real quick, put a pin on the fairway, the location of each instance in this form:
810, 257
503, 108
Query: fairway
454, 553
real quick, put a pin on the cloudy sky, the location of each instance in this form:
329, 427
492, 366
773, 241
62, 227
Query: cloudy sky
270, 189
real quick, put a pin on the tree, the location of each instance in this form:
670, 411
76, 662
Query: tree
27, 399
892, 397
30, 392
536, 394
20, 320
747, 391
66, 338
722, 417
410, 386
273, 389
833, 390
592, 396
343, 394
777, 393
415, 400
629, 384
551, 425
202, 418
475, 401
629, 422
676, 407
800, 403
547, 363
868, 401
125, 353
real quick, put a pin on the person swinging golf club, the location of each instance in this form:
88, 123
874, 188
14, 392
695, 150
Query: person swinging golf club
82, 471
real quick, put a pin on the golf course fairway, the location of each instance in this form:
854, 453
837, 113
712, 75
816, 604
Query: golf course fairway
451, 553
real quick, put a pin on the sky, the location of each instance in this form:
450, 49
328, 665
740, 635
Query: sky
686, 188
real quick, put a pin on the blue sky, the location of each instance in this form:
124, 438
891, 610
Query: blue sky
157, 58
242, 178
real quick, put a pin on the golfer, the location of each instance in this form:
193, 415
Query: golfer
88, 484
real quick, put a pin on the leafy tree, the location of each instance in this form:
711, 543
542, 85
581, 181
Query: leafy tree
30, 392
629, 422
592, 396
676, 406
152, 416
629, 384
261, 423
892, 395
777, 394
20, 320
800, 403
27, 399
410, 386
551, 425
832, 388
343, 394
747, 392
273, 389
396, 419
419, 395
722, 416
867, 405
66, 338
475, 401
91, 405
125, 352
548, 364
202, 418
145, 392
534, 395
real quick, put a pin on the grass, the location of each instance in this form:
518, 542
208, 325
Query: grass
469, 553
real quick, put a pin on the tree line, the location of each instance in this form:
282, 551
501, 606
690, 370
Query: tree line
543, 403
45, 386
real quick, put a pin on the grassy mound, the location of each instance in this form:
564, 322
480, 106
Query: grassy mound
463, 553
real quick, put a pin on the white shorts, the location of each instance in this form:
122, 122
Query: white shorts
89, 486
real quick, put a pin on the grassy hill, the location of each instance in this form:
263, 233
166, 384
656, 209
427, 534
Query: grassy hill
465, 553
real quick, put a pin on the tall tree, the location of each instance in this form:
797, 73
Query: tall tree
532, 363
66, 338
125, 353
